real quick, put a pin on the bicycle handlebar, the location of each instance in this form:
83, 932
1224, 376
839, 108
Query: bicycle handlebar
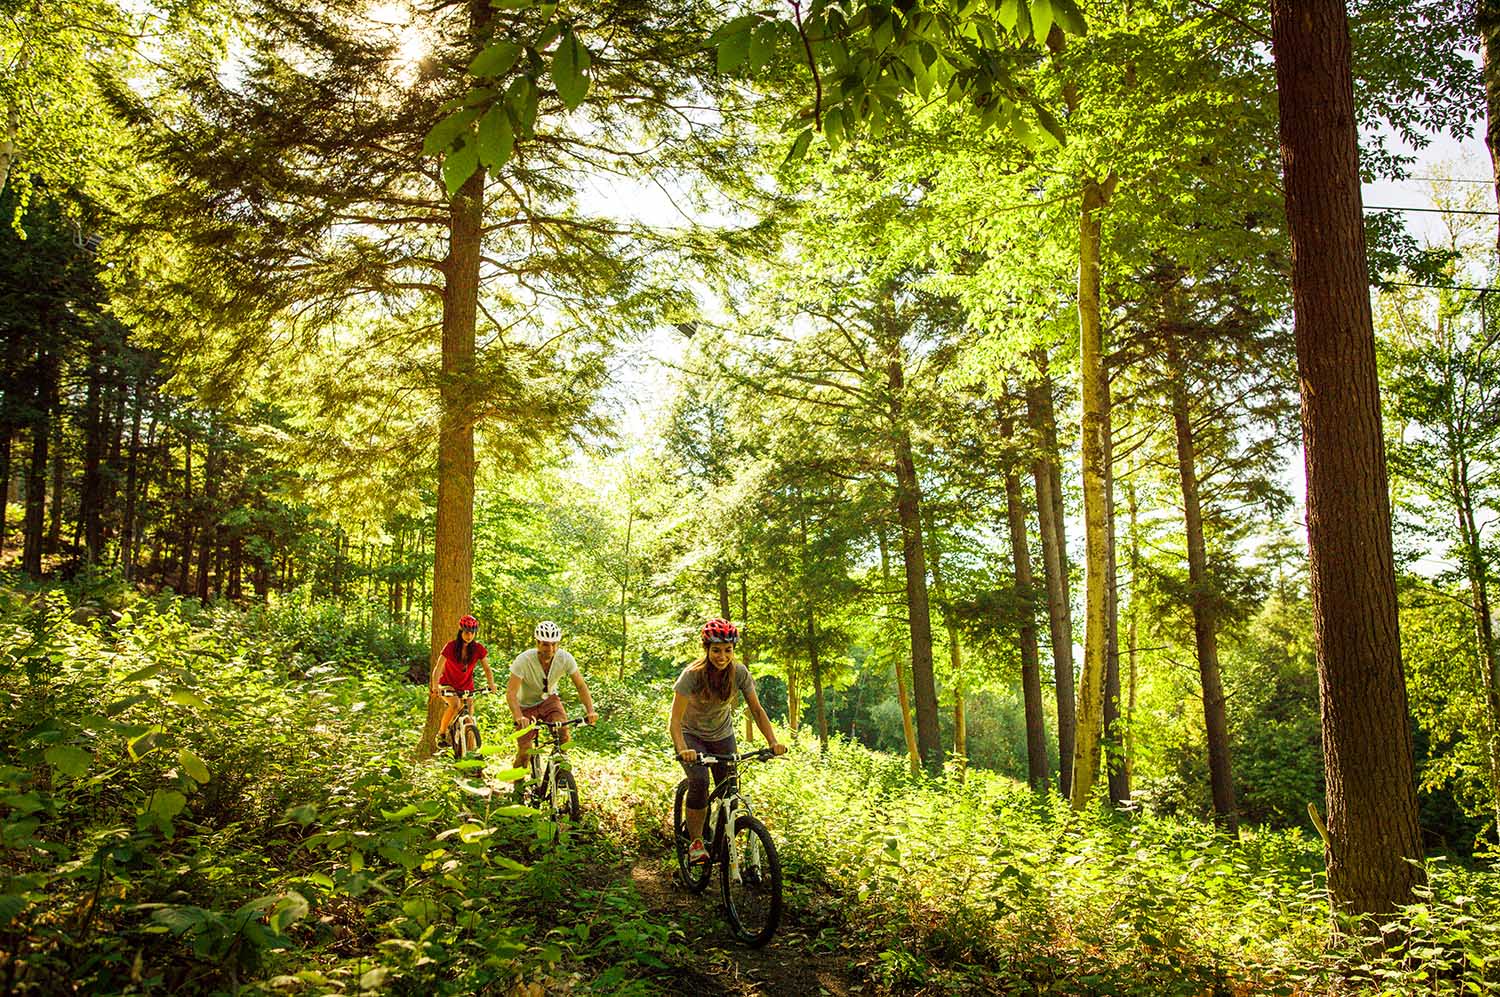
463, 692
560, 724
758, 755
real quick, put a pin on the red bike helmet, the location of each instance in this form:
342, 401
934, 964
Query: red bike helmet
719, 631
468, 623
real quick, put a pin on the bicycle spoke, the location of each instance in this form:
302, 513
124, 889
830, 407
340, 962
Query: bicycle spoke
751, 881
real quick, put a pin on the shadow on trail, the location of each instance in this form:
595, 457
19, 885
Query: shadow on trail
786, 967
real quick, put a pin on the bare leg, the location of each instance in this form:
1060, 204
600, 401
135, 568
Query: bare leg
695, 822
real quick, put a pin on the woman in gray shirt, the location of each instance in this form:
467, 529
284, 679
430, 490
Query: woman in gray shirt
703, 703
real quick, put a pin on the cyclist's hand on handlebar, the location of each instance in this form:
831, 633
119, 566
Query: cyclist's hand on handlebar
778, 749
591, 718
688, 755
523, 722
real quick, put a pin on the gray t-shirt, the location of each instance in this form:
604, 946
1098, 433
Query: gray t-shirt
535, 686
706, 716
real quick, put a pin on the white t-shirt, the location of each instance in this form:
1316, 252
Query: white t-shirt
535, 686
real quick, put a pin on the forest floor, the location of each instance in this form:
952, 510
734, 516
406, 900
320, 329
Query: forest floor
789, 966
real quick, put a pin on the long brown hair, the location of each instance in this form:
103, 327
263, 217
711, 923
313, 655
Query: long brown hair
718, 683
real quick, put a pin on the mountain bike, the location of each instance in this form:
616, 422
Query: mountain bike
463, 731
550, 787
749, 869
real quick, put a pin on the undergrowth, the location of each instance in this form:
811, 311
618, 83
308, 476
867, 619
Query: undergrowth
211, 801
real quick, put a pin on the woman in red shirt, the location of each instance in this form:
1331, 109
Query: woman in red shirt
459, 658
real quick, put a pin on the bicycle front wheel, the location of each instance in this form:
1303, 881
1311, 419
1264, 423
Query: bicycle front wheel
565, 797
750, 877
459, 734
694, 876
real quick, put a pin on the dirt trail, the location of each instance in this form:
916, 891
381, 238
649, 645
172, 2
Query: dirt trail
787, 967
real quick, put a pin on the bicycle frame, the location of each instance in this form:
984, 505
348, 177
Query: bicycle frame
726, 806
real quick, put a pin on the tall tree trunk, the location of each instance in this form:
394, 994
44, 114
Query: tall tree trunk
91, 492
59, 482
208, 514
1047, 476
625, 588
132, 481
1086, 748
721, 584
1114, 740
6, 431
903, 697
1489, 43
453, 544
909, 513
47, 369
1484, 628
114, 469
1373, 838
1037, 767
1204, 600
955, 660
1132, 627
188, 514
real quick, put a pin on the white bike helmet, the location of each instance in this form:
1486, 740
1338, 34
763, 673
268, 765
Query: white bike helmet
548, 631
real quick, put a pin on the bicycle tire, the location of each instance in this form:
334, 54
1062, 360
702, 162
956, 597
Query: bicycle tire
694, 877
458, 734
752, 899
566, 802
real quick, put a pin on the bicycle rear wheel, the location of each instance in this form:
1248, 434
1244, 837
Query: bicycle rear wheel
694, 876
751, 885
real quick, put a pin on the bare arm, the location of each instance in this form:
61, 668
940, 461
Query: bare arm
489, 676
584, 697
679, 710
752, 701
513, 699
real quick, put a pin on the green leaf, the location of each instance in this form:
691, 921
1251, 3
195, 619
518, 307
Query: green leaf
167, 803
762, 45
570, 70
121, 705
423, 910
192, 765
521, 98
799, 146
139, 747
374, 978
289, 909
1041, 19
407, 811
833, 126
1051, 124
496, 59
304, 814
1069, 17
734, 44
141, 674
449, 129
11, 906
459, 165
70, 761
183, 697
181, 919
496, 138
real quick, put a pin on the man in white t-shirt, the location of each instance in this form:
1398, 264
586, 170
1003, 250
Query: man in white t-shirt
532, 689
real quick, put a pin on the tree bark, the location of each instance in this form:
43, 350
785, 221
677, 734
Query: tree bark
721, 583
1047, 476
209, 514
903, 697
1205, 623
1489, 44
47, 368
188, 515
132, 478
1133, 640
625, 588
1037, 767
1373, 838
955, 662
1086, 748
58, 458
91, 492
909, 512
453, 543
1114, 741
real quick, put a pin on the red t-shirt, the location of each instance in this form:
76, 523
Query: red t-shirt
457, 675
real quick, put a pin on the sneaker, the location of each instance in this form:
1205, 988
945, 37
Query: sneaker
697, 854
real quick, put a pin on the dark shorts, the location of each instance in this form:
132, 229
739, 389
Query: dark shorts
697, 795
549, 709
